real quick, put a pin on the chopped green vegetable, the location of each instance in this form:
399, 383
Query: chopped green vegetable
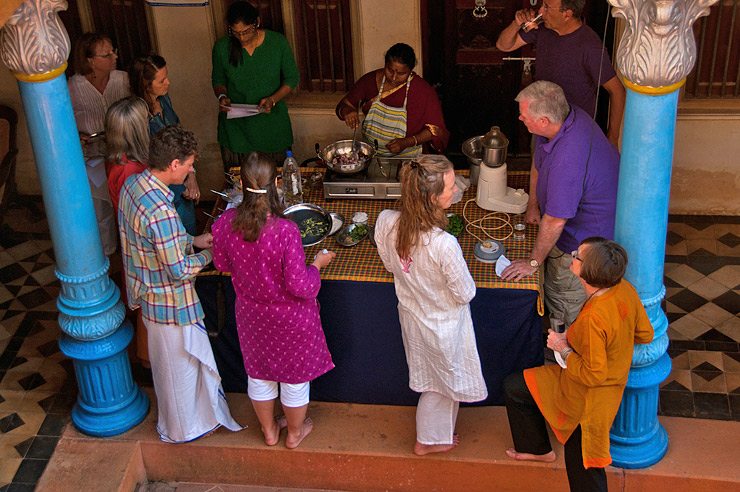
455, 225
312, 227
359, 232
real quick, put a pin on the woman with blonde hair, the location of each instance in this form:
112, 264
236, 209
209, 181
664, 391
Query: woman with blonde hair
126, 143
277, 314
434, 289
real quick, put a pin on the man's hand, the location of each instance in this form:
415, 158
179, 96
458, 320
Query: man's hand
523, 19
204, 241
518, 270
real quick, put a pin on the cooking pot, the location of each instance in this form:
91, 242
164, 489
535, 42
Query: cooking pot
344, 148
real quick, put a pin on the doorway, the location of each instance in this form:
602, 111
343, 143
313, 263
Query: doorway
475, 82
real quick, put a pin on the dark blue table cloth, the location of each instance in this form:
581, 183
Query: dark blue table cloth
360, 320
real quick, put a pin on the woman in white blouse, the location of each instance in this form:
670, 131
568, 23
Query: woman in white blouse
434, 289
94, 87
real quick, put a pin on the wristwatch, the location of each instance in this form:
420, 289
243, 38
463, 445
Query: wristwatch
534, 263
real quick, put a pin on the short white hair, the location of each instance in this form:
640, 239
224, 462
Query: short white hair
545, 99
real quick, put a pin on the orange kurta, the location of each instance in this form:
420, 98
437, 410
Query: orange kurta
588, 392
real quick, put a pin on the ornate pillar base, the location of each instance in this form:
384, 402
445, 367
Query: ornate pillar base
637, 438
109, 402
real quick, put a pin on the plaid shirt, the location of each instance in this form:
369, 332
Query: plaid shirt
158, 255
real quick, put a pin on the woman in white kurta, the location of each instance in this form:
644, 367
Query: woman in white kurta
94, 87
434, 289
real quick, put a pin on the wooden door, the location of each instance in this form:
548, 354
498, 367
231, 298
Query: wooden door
475, 84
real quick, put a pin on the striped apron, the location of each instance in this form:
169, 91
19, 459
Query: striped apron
385, 123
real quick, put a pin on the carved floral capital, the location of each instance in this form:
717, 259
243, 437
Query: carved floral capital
658, 47
34, 41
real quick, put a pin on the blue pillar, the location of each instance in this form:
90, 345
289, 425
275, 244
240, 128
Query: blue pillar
91, 314
637, 438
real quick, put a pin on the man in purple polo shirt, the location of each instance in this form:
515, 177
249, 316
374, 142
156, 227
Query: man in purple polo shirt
573, 192
570, 54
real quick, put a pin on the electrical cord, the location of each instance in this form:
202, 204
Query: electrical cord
478, 224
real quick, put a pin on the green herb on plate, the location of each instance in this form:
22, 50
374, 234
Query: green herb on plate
359, 232
455, 224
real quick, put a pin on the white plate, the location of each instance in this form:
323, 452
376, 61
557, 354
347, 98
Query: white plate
560, 360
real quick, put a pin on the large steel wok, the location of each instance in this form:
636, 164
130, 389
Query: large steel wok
346, 156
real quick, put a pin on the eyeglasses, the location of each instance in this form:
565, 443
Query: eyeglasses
108, 55
575, 256
246, 32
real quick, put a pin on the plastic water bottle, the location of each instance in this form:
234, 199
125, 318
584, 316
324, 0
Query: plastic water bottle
292, 188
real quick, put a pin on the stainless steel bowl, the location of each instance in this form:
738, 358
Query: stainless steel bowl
473, 150
314, 222
344, 237
345, 148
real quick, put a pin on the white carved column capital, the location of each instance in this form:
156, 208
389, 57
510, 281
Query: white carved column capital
34, 42
658, 47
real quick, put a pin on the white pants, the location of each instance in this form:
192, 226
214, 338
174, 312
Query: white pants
291, 395
436, 416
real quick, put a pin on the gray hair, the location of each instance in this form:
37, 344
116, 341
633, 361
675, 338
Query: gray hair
127, 130
546, 99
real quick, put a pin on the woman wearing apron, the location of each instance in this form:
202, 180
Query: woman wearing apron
402, 111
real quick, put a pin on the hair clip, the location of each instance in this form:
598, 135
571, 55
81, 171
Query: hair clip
259, 192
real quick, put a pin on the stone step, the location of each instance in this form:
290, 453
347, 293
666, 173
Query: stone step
368, 447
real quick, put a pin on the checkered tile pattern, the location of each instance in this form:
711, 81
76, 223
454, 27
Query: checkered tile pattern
702, 279
38, 389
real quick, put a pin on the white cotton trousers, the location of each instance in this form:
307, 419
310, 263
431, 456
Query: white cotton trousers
291, 395
436, 416
190, 401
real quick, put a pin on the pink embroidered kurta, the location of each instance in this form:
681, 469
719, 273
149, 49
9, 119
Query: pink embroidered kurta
277, 316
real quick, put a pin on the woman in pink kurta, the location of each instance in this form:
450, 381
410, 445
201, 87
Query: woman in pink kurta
277, 314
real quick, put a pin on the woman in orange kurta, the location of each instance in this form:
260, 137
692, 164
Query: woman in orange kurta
580, 399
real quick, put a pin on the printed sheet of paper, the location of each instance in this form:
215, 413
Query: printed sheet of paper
243, 111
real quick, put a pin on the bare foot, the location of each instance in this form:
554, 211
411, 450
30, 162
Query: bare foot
272, 436
422, 449
292, 442
545, 458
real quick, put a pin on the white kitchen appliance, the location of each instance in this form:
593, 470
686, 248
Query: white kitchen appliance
493, 194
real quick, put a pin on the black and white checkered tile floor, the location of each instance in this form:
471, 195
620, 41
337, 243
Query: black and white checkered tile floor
37, 386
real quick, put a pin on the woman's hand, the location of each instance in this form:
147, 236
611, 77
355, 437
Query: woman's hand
267, 103
204, 241
352, 119
557, 342
323, 258
397, 145
224, 104
192, 191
